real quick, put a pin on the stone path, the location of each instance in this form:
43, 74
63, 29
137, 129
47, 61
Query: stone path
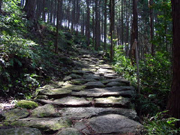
92, 100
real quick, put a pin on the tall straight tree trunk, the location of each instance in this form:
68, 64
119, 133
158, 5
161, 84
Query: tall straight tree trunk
112, 3
151, 25
1, 5
88, 22
30, 9
105, 25
134, 32
57, 27
44, 13
122, 18
174, 99
97, 25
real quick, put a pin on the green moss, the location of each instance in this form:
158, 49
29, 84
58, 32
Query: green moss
26, 104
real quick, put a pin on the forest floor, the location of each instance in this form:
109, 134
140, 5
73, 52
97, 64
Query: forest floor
91, 100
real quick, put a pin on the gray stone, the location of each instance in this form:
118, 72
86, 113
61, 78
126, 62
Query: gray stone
81, 81
20, 131
69, 131
112, 101
67, 78
102, 70
55, 92
110, 84
74, 87
110, 76
45, 124
105, 66
92, 76
110, 91
47, 110
96, 84
15, 114
75, 76
113, 123
72, 101
87, 112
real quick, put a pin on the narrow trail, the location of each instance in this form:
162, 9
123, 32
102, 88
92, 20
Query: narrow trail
92, 100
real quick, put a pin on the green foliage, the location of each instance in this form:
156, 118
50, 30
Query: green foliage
155, 78
26, 104
163, 37
161, 125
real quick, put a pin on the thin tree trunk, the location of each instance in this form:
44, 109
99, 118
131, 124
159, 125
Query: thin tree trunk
105, 25
1, 1
151, 25
134, 34
57, 28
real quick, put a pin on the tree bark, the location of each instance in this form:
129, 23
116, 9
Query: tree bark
1, 6
30, 9
134, 33
174, 99
151, 26
105, 25
57, 27
88, 22
112, 3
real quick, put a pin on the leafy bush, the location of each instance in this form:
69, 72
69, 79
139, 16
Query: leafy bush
160, 125
155, 78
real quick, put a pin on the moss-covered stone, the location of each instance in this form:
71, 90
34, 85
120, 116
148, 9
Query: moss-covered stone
20, 131
47, 110
45, 124
26, 104
15, 114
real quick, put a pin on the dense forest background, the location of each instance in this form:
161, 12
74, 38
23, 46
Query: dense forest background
135, 35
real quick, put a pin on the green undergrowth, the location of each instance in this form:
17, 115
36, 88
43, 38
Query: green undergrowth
27, 56
155, 81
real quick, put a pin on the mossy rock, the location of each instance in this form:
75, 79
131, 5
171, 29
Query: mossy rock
26, 104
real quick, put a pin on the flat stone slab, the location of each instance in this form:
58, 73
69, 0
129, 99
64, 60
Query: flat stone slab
72, 101
69, 131
113, 123
81, 81
59, 91
20, 131
105, 66
74, 87
96, 84
110, 84
109, 91
112, 101
103, 70
92, 76
45, 124
109, 124
15, 114
88, 112
47, 110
